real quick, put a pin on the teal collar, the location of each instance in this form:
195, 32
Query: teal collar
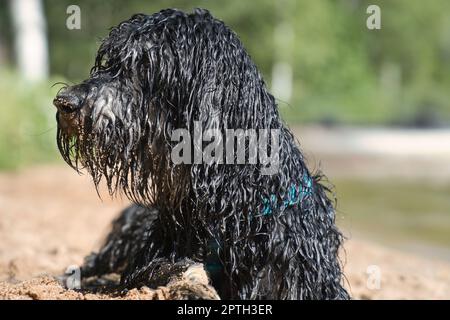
295, 195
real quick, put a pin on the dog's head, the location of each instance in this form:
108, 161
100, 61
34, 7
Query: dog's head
154, 74
116, 123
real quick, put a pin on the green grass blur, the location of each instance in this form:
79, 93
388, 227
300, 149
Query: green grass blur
395, 209
27, 123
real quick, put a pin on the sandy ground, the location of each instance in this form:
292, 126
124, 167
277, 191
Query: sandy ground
51, 218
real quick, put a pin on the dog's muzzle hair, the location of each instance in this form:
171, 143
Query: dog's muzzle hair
258, 236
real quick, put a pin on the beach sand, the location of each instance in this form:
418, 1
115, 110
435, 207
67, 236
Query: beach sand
51, 218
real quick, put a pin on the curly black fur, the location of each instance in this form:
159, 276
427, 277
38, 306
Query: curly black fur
156, 73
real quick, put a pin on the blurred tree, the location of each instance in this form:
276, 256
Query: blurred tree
284, 42
30, 38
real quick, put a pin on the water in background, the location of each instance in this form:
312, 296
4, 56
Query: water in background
392, 185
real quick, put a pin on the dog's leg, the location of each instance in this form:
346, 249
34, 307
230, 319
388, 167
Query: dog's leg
130, 232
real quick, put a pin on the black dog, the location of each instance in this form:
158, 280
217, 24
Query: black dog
259, 235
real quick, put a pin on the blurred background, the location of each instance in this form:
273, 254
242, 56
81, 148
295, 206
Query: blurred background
371, 108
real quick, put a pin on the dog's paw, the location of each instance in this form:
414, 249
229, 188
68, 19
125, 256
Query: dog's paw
192, 284
183, 280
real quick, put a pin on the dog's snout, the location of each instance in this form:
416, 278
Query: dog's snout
70, 99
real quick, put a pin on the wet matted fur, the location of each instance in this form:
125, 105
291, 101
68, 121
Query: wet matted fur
259, 236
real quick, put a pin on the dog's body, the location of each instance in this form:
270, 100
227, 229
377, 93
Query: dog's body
259, 236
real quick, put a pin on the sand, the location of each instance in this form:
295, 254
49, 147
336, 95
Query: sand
51, 218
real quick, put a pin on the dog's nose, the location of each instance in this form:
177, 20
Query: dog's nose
70, 99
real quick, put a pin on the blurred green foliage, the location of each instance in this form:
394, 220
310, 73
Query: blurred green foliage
342, 72
27, 122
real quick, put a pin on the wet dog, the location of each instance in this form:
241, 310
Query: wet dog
259, 235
